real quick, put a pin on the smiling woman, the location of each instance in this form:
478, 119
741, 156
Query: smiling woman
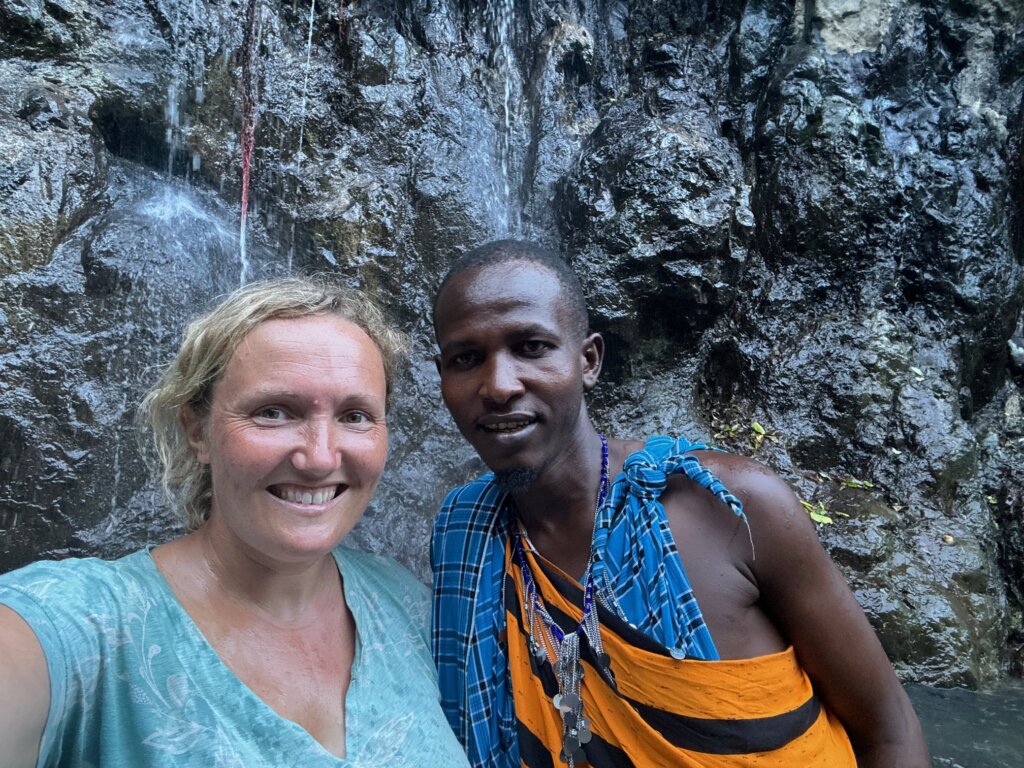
294, 437
254, 639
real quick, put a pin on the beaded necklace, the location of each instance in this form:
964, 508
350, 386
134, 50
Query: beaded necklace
566, 646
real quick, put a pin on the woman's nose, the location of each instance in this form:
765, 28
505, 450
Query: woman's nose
320, 450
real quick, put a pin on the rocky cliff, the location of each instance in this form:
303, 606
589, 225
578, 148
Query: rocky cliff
799, 225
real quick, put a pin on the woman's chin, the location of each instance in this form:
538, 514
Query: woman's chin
286, 540
305, 545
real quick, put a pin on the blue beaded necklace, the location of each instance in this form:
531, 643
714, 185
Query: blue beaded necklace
566, 646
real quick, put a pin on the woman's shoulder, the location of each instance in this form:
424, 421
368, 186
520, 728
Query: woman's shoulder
89, 578
80, 610
80, 591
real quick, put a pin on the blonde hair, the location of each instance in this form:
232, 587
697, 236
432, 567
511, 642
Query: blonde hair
207, 347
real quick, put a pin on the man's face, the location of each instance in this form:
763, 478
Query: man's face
513, 368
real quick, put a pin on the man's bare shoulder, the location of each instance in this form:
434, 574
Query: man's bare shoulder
768, 501
774, 522
762, 491
808, 602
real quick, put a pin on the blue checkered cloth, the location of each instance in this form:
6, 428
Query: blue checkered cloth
636, 570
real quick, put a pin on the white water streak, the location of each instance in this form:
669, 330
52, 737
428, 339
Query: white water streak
501, 17
305, 83
302, 126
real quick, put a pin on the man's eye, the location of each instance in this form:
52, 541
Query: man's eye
462, 360
534, 347
355, 417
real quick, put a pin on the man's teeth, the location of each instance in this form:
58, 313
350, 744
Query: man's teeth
505, 426
307, 496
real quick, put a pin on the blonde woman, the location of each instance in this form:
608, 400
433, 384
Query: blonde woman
253, 640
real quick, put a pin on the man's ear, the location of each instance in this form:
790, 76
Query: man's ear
592, 352
195, 431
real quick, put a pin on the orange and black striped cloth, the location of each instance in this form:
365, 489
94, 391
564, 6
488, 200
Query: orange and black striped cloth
658, 710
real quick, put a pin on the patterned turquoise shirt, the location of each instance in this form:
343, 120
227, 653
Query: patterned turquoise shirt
134, 683
637, 573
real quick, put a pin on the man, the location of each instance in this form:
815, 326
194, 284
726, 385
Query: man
620, 602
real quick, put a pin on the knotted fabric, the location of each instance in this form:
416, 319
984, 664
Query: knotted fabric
637, 569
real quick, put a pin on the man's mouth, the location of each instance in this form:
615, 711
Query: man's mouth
506, 424
300, 494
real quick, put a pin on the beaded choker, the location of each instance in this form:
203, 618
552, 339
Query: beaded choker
544, 632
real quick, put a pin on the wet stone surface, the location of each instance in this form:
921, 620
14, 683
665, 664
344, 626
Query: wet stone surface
971, 729
792, 216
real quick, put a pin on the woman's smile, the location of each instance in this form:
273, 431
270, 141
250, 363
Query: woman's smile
306, 496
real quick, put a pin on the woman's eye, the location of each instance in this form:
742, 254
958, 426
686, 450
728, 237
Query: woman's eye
271, 413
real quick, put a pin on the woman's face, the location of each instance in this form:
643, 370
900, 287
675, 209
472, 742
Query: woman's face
295, 438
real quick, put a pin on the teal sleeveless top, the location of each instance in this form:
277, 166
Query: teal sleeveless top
134, 683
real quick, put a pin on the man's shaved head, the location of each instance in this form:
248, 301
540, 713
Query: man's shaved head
511, 251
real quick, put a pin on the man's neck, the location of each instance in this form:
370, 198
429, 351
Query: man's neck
558, 508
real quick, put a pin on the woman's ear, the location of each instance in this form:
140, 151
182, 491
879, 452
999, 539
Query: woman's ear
593, 355
195, 431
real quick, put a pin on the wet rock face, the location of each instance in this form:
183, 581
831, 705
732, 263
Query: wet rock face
794, 215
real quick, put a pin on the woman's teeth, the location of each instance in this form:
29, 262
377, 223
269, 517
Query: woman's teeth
307, 495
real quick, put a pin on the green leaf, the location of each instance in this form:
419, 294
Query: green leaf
758, 428
817, 512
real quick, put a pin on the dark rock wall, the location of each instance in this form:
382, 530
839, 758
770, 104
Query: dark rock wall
799, 225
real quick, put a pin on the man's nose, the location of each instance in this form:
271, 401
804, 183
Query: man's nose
502, 380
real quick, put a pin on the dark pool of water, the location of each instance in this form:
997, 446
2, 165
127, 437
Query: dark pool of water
972, 729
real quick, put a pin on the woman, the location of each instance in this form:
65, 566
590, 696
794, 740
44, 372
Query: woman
252, 640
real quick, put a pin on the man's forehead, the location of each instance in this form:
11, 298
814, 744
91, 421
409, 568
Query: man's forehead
514, 280
520, 294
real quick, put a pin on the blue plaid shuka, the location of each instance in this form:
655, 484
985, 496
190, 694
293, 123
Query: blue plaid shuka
637, 572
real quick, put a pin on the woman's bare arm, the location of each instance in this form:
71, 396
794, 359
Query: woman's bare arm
26, 685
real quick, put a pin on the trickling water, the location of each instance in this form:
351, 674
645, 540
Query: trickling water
171, 112
190, 32
199, 73
302, 127
250, 104
171, 115
486, 185
305, 84
175, 209
500, 16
